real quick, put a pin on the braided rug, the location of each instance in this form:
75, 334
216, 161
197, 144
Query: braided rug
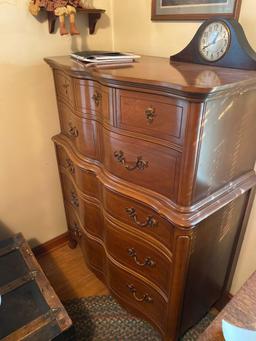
101, 318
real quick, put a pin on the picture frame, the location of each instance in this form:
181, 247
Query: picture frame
194, 9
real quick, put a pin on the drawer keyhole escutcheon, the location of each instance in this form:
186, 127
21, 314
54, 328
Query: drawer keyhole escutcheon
138, 164
150, 114
74, 200
72, 130
70, 166
145, 298
147, 262
97, 98
150, 221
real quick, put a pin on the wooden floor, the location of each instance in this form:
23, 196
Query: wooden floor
68, 274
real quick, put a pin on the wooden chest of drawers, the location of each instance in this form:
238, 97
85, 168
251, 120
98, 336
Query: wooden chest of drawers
156, 163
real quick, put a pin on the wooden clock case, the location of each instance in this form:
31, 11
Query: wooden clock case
239, 55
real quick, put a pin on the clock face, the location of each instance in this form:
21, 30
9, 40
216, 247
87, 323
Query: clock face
214, 41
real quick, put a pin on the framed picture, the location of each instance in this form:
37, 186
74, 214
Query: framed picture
194, 9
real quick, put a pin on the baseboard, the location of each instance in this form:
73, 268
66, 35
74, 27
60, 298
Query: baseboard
223, 301
51, 245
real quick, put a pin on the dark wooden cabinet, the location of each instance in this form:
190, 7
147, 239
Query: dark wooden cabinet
156, 162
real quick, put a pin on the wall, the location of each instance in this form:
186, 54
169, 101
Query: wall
134, 31
30, 192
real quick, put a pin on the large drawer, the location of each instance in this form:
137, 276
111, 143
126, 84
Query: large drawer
85, 180
143, 163
138, 254
139, 216
82, 132
93, 98
158, 116
137, 294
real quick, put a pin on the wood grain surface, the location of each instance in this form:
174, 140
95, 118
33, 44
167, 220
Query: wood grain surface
156, 162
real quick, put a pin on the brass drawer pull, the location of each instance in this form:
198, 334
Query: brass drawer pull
70, 166
145, 298
74, 200
150, 221
66, 86
97, 98
75, 231
147, 262
139, 164
72, 130
150, 114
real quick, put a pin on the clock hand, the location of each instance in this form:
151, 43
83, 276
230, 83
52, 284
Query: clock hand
205, 47
212, 42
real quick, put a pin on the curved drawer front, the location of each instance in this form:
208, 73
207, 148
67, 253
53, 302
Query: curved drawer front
140, 217
63, 84
159, 116
93, 253
86, 180
137, 254
143, 163
92, 97
89, 212
82, 132
137, 294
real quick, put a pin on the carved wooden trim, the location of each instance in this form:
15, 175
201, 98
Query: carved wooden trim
180, 216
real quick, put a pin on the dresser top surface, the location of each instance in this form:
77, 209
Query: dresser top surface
158, 71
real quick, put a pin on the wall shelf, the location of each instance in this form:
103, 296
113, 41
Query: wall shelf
93, 16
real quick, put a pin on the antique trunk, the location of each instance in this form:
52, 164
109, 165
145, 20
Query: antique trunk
30, 309
156, 164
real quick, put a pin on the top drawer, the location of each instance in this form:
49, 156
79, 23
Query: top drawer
158, 116
92, 97
63, 86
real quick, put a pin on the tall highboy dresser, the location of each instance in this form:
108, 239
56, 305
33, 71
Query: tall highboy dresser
156, 163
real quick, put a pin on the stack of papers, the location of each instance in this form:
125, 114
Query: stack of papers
104, 57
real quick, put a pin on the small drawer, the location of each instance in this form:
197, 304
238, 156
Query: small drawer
158, 116
143, 163
92, 98
137, 294
88, 211
85, 180
140, 217
82, 132
63, 84
137, 254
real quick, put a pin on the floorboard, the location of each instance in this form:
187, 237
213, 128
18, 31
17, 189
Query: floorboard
68, 274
